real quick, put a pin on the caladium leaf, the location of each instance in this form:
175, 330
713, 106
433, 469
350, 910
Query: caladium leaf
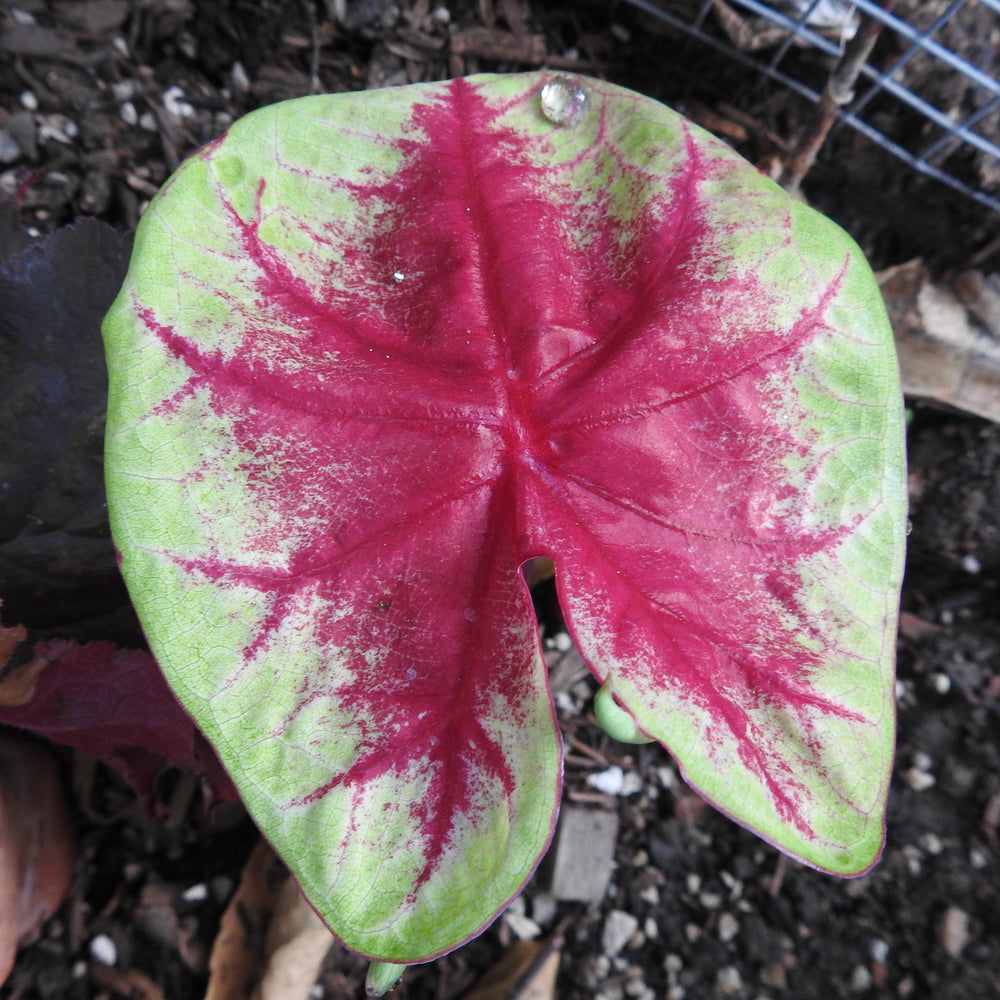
375, 351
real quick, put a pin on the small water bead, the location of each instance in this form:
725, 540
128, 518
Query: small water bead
411, 674
398, 277
564, 100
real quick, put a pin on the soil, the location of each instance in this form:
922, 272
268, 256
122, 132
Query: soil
100, 101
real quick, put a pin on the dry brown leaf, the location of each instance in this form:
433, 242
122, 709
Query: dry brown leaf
37, 845
529, 967
18, 685
237, 955
270, 944
946, 352
297, 943
542, 983
9, 639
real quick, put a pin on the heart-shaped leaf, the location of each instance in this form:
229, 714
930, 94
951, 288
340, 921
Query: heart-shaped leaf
377, 350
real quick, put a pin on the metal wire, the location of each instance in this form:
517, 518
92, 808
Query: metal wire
797, 24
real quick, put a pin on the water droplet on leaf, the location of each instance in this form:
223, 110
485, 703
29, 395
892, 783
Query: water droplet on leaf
564, 100
398, 277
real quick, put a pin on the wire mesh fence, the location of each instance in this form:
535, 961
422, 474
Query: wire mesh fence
938, 60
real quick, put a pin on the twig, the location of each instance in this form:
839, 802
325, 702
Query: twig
314, 81
838, 93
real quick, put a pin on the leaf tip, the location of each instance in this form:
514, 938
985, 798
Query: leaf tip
615, 720
382, 977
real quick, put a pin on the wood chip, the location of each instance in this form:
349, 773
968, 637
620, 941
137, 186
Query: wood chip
504, 46
584, 854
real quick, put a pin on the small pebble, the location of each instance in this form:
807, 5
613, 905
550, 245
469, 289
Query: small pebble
618, 929
175, 103
238, 75
954, 932
10, 151
666, 776
941, 683
632, 784
565, 702
522, 927
103, 950
610, 781
196, 893
733, 884
971, 564
544, 907
635, 986
913, 857
728, 982
919, 780
861, 979
931, 843
601, 966
672, 964
729, 927
562, 642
